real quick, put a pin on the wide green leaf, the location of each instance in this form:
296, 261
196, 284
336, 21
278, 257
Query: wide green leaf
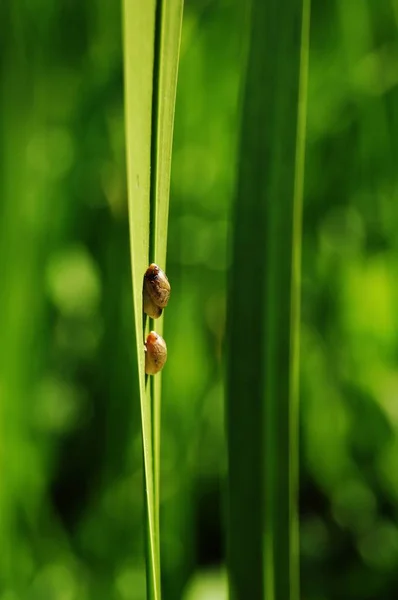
264, 286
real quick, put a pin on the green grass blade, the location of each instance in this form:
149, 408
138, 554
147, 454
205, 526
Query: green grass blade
263, 308
152, 42
168, 47
294, 556
139, 44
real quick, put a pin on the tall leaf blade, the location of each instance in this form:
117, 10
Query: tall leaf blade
152, 42
169, 29
139, 44
263, 308
295, 304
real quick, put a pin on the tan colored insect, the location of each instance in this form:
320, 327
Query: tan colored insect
156, 291
155, 353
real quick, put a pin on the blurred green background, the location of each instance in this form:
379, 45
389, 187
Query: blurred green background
71, 510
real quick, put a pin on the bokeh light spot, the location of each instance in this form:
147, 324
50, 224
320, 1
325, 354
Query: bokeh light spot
74, 282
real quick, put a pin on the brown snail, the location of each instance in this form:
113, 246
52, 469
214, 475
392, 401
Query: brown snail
155, 353
156, 291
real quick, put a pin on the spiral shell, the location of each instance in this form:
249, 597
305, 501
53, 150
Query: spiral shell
155, 353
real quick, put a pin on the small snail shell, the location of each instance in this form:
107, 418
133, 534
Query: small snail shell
156, 287
155, 353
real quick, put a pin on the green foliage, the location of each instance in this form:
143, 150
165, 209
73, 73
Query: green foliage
139, 53
167, 63
264, 285
71, 469
151, 50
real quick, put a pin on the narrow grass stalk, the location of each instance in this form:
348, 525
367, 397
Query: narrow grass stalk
169, 24
263, 308
294, 568
151, 50
139, 36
